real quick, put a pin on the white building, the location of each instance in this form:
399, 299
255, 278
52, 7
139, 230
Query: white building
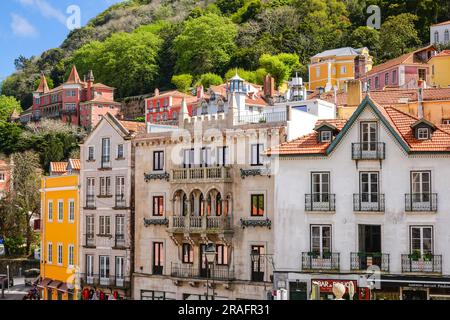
440, 33
367, 192
106, 210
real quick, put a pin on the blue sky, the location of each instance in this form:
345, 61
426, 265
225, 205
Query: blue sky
29, 27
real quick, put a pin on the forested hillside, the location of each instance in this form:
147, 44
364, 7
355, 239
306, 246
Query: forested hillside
138, 45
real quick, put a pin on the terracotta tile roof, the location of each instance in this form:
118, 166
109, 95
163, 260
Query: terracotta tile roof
43, 86
73, 77
133, 126
101, 99
441, 23
174, 93
75, 164
443, 53
307, 144
101, 85
58, 167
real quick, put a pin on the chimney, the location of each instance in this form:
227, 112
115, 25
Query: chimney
184, 113
354, 92
156, 92
269, 86
360, 66
200, 92
90, 82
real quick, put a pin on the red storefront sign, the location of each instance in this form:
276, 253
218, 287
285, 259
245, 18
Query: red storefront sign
327, 285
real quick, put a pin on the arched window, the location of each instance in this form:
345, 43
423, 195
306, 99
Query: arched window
209, 205
218, 205
446, 36
184, 209
436, 37
192, 204
201, 205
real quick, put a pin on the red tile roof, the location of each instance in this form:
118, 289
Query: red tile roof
133, 126
443, 53
441, 23
43, 86
73, 77
75, 164
58, 167
400, 122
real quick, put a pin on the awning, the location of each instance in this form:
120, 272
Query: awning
44, 283
414, 281
55, 284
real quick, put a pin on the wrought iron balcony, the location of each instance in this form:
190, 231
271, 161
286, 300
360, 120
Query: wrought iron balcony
421, 202
120, 201
326, 261
109, 281
200, 224
262, 267
320, 202
106, 162
189, 271
368, 202
120, 241
89, 240
90, 201
369, 151
205, 174
426, 263
361, 261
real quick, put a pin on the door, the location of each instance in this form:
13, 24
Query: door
320, 239
205, 160
369, 246
369, 190
258, 266
119, 272
420, 189
203, 262
369, 137
320, 189
104, 270
158, 258
188, 158
106, 152
90, 269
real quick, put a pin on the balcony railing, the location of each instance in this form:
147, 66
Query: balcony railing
320, 202
121, 201
206, 174
198, 224
421, 202
216, 272
369, 151
159, 270
280, 116
368, 202
261, 267
361, 261
120, 241
327, 261
118, 281
89, 240
106, 162
426, 263
90, 201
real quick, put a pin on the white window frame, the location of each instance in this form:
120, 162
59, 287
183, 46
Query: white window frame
50, 211
423, 133
60, 211
49, 252
89, 158
325, 136
256, 150
321, 237
421, 238
71, 209
70, 255
59, 254
120, 149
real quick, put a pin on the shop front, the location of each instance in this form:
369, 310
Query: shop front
325, 288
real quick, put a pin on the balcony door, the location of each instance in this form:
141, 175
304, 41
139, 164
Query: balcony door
158, 257
90, 269
188, 158
120, 278
320, 239
369, 190
369, 238
104, 270
257, 255
203, 262
205, 157
420, 188
421, 240
320, 188
106, 152
369, 137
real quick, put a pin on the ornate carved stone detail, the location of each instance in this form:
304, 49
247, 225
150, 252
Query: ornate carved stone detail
255, 172
156, 176
156, 222
256, 223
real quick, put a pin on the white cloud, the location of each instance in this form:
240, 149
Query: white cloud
46, 9
21, 27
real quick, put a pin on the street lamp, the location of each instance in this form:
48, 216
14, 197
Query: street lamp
210, 257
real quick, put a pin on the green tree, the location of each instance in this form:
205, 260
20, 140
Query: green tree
209, 79
50, 82
398, 35
280, 66
11, 139
7, 106
230, 6
366, 37
182, 82
249, 76
205, 44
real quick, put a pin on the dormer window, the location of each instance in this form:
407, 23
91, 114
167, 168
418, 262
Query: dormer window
423, 133
326, 136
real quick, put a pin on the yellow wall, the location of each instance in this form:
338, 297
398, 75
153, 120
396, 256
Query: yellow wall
441, 75
337, 78
65, 232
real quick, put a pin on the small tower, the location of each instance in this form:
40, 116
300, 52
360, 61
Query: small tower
237, 94
90, 81
184, 113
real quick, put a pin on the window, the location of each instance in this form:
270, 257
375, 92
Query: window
90, 154
422, 74
89, 265
446, 121
422, 239
436, 37
343, 70
256, 156
50, 253
120, 151
71, 93
120, 191
158, 206
188, 158
320, 239
104, 267
71, 255
158, 257
325, 136
421, 186
257, 205
188, 253
320, 186
105, 186
105, 225
120, 226
50, 211
258, 262
60, 210
423, 133
318, 72
222, 254
59, 254
90, 226
394, 77
174, 115
71, 210
446, 36
158, 160
70, 106
369, 136
2, 177
222, 156
119, 268
205, 157
369, 186
377, 82
106, 149
386, 79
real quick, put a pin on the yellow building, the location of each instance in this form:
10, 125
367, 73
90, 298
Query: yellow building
60, 228
331, 68
440, 69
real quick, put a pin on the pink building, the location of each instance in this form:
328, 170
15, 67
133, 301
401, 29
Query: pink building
166, 106
82, 103
406, 72
5, 177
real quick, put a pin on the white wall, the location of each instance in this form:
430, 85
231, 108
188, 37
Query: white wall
441, 30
